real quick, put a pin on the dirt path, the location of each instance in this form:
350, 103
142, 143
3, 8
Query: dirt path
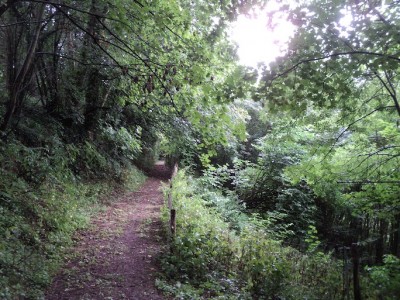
115, 259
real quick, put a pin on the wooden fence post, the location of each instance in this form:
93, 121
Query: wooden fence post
172, 223
172, 220
174, 171
170, 195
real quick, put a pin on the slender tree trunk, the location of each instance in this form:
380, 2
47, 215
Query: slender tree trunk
394, 246
16, 85
356, 275
90, 84
93, 95
380, 243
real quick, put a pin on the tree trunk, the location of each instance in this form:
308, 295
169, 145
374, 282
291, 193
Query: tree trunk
356, 276
93, 77
16, 84
394, 241
380, 243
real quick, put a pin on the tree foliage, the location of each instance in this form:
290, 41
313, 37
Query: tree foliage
339, 79
312, 146
88, 88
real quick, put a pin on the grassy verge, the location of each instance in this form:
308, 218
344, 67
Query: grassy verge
42, 203
219, 252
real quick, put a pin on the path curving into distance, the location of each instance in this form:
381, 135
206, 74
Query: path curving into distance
116, 257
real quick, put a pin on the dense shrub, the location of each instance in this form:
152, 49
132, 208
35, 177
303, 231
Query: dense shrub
211, 258
263, 189
261, 264
202, 243
386, 278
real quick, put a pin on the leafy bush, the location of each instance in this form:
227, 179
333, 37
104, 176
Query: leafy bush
107, 156
201, 246
261, 264
120, 143
92, 162
314, 276
262, 188
386, 278
208, 259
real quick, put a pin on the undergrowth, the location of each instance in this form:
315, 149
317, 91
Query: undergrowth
45, 195
221, 252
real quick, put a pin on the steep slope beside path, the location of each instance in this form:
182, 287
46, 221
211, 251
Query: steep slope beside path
115, 259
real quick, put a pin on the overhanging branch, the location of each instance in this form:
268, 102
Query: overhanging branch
332, 55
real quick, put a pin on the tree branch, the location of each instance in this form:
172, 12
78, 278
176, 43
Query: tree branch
351, 124
337, 54
368, 182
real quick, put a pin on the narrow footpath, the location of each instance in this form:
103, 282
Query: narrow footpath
116, 257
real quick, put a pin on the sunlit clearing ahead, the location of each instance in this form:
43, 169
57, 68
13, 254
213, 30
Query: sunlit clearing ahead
260, 38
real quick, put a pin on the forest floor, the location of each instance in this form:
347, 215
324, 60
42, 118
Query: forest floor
116, 258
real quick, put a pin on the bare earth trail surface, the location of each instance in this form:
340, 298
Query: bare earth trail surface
116, 257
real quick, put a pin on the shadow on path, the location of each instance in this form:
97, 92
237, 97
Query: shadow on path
116, 257
160, 171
